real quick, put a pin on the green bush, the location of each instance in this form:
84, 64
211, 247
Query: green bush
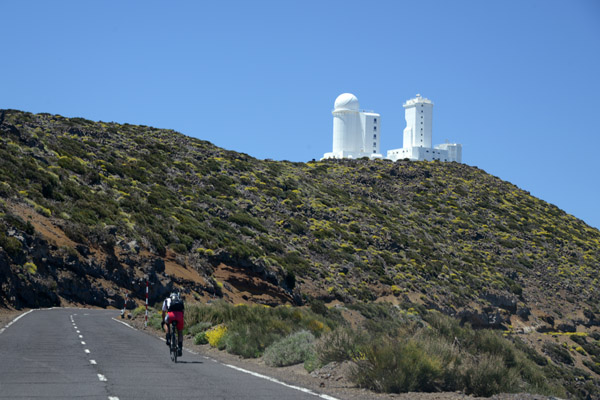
140, 310
343, 344
293, 349
487, 375
250, 340
557, 353
11, 245
200, 338
398, 367
199, 327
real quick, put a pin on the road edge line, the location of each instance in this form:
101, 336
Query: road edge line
268, 378
15, 320
125, 323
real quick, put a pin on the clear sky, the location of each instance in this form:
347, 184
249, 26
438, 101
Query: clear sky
517, 82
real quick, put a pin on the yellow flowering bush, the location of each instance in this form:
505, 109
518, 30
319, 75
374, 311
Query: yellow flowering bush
215, 335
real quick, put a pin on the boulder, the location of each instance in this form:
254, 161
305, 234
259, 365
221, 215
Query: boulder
492, 319
502, 300
566, 327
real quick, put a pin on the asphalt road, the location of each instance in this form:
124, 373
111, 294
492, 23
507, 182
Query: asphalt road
86, 354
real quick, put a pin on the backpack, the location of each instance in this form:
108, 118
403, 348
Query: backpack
176, 304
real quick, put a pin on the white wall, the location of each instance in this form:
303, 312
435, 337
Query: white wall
418, 113
347, 131
454, 151
371, 127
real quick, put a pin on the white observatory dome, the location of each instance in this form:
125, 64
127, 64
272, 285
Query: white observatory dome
346, 102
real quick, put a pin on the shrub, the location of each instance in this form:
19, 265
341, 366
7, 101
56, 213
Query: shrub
154, 320
11, 245
199, 328
557, 353
30, 267
312, 362
250, 339
140, 310
293, 349
215, 335
342, 344
201, 338
398, 366
488, 375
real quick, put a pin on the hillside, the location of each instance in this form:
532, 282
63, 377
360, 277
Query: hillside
107, 203
90, 210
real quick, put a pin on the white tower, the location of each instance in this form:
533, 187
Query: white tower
418, 113
347, 135
356, 133
417, 145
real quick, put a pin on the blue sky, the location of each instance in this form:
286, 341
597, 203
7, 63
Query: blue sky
517, 82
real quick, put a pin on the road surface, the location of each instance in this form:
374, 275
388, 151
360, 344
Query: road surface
89, 354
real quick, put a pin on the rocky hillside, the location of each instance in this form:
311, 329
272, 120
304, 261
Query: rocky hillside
88, 210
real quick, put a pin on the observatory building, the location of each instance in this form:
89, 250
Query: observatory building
418, 113
357, 133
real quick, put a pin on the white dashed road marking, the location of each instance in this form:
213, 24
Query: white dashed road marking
93, 362
83, 343
102, 378
87, 351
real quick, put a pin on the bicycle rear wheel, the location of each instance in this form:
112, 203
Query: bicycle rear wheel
174, 342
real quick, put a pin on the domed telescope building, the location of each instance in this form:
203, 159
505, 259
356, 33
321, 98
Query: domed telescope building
357, 133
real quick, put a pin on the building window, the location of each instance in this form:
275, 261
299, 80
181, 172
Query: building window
374, 151
421, 122
374, 136
374, 144
374, 120
374, 128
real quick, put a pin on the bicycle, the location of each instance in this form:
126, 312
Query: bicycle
173, 347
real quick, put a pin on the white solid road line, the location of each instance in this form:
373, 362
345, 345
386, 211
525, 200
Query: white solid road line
307, 391
113, 398
13, 321
124, 323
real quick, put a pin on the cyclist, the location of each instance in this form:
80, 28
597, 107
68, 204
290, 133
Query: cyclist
172, 310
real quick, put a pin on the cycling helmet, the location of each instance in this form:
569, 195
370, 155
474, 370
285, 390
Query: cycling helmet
175, 295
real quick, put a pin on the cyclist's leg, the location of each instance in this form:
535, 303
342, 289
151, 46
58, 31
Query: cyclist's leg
179, 316
168, 323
